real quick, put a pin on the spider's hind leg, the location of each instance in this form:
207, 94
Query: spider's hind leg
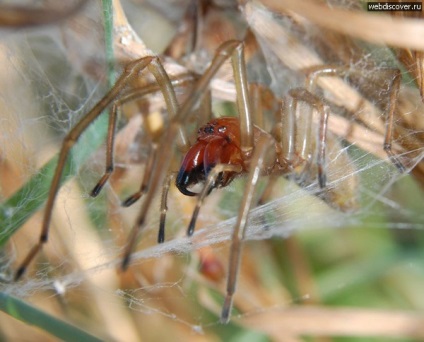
394, 78
302, 143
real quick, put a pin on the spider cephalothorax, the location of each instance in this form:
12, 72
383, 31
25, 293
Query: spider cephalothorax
218, 142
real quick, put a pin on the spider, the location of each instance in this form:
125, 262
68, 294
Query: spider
225, 148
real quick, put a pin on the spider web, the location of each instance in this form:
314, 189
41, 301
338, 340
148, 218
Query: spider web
362, 256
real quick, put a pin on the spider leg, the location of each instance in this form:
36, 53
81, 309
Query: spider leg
233, 49
261, 97
165, 84
394, 85
146, 177
186, 40
255, 93
130, 72
164, 206
389, 120
258, 160
110, 142
212, 177
133, 95
288, 131
243, 101
72, 137
266, 193
205, 109
301, 94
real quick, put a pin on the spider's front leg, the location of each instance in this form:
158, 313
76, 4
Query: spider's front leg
131, 71
72, 137
258, 164
166, 86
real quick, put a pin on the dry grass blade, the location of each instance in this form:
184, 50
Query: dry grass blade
322, 321
20, 16
366, 26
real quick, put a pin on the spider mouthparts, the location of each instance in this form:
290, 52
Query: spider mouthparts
185, 179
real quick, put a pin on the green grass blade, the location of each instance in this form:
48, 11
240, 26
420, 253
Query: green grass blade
108, 24
28, 314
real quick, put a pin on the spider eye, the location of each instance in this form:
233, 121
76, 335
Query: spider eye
209, 129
